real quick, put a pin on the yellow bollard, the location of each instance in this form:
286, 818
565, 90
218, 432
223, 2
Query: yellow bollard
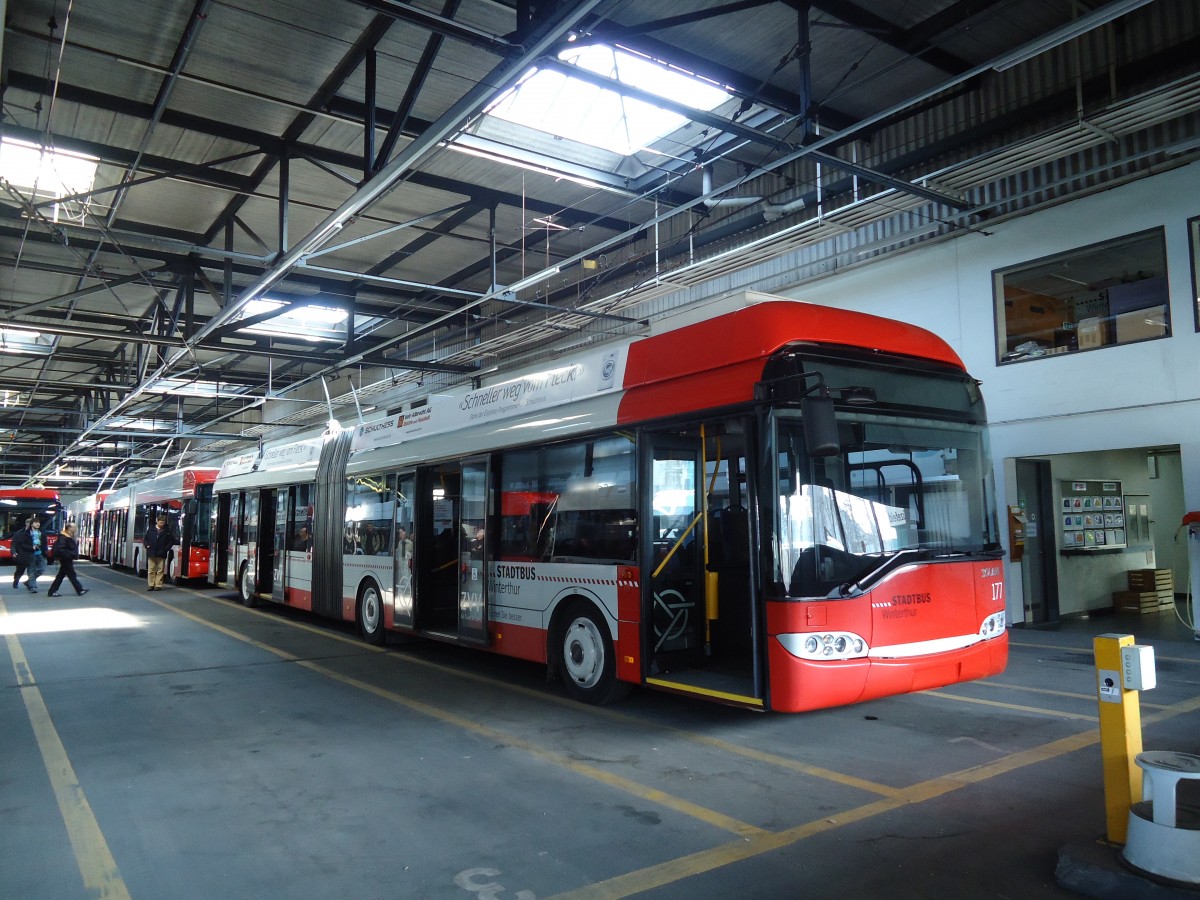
1120, 734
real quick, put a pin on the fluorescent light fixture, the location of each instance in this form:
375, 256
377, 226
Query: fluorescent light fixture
535, 278
1067, 32
10, 398
462, 144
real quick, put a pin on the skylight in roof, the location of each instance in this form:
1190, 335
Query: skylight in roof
310, 322
128, 422
180, 387
48, 173
556, 103
32, 343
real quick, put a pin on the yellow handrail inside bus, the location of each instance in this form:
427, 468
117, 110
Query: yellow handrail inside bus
678, 544
711, 608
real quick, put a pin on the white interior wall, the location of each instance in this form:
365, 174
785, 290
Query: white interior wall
1092, 578
1132, 396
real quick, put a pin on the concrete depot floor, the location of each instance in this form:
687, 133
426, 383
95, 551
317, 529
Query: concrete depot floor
177, 745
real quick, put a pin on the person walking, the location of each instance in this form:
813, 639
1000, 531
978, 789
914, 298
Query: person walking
27, 547
18, 543
66, 551
159, 540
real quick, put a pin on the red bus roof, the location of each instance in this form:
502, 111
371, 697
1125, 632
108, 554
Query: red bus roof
28, 494
718, 361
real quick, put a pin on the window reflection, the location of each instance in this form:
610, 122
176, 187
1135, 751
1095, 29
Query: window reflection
895, 487
1097, 296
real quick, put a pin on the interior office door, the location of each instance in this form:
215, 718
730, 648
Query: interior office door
1039, 564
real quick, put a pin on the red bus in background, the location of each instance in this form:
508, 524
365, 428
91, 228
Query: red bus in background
85, 513
787, 507
18, 504
122, 516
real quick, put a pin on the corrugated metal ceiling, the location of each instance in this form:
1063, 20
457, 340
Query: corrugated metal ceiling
238, 129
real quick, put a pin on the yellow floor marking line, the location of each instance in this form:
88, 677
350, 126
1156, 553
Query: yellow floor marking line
1175, 709
785, 763
762, 756
651, 795
1087, 651
1073, 695
707, 860
96, 865
752, 841
1016, 707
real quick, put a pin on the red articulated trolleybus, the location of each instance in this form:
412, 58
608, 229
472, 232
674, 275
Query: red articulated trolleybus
85, 513
184, 496
786, 507
18, 504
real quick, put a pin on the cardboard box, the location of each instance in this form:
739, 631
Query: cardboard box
1090, 333
1142, 324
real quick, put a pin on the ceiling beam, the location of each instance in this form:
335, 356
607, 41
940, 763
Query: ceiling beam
886, 32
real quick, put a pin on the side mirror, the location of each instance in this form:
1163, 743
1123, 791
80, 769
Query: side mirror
820, 426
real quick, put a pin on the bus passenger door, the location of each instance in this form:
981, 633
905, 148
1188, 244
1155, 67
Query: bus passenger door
439, 534
236, 537
265, 540
700, 603
472, 588
402, 587
218, 562
451, 550
674, 562
285, 512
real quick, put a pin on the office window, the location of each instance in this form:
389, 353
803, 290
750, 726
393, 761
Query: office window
1098, 296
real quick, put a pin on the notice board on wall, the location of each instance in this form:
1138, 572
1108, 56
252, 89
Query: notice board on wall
1092, 516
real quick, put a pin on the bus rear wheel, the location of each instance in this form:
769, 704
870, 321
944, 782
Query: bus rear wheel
588, 658
246, 586
370, 614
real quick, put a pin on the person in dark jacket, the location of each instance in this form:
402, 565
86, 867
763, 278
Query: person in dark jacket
159, 540
28, 545
66, 551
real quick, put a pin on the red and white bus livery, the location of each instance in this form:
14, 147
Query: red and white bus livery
18, 504
786, 507
184, 496
85, 513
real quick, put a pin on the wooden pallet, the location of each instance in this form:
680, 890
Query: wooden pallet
1142, 601
1145, 580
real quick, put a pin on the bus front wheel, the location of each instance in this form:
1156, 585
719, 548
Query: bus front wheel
246, 586
370, 614
588, 658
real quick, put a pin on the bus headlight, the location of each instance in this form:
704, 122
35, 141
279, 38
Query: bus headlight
993, 626
830, 645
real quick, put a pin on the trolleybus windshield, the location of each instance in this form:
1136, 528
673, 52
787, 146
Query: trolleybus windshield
899, 489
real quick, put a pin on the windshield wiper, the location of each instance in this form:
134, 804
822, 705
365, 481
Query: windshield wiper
983, 553
864, 582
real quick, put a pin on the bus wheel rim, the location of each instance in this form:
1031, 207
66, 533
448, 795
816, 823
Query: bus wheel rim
583, 652
371, 610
